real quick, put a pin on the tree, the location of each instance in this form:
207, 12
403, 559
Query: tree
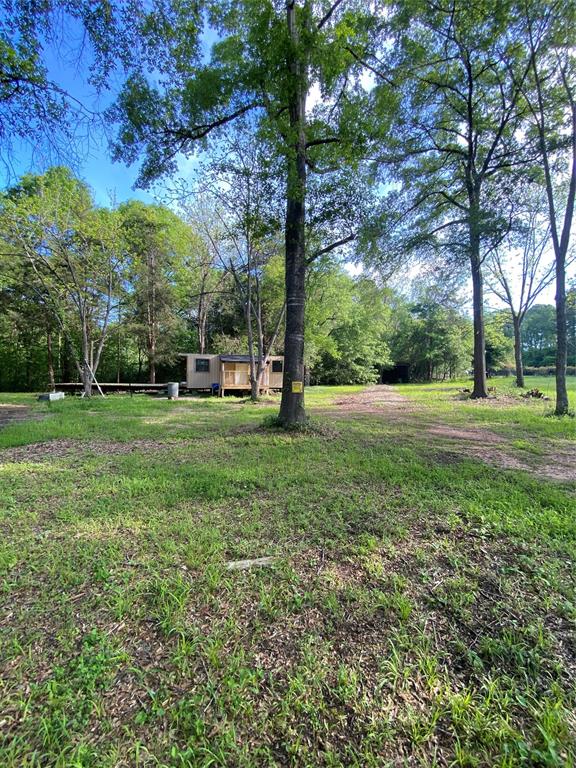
531, 271
35, 109
74, 254
157, 243
456, 136
242, 229
539, 335
359, 336
263, 65
498, 341
571, 323
29, 337
433, 338
550, 93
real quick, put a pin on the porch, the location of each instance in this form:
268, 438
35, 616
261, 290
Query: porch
235, 374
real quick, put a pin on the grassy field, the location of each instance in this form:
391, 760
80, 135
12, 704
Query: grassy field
419, 611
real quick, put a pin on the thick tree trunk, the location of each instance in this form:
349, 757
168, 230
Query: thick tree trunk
292, 410
480, 386
86, 379
562, 405
518, 351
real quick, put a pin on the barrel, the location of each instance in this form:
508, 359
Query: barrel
172, 390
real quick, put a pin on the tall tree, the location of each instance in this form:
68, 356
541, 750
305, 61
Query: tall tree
517, 279
157, 243
546, 29
456, 136
264, 64
36, 110
539, 336
74, 254
243, 232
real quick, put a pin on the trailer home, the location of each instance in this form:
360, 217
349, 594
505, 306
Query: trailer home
230, 372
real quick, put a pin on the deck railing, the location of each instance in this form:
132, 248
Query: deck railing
236, 379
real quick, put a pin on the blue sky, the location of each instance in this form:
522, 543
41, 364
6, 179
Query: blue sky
109, 180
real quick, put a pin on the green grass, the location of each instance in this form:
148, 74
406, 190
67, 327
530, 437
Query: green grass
420, 609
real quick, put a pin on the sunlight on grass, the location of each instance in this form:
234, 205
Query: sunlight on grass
421, 601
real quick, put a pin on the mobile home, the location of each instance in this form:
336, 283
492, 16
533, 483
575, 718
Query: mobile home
230, 372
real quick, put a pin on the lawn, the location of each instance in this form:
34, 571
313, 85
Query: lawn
419, 611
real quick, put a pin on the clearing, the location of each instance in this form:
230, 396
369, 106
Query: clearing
550, 458
418, 609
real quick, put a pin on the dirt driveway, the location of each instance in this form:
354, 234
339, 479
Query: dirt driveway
554, 459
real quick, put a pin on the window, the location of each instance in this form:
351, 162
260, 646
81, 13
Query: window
202, 365
277, 366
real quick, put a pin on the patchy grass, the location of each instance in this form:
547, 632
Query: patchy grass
420, 611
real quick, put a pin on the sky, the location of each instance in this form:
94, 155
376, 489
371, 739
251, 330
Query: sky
115, 182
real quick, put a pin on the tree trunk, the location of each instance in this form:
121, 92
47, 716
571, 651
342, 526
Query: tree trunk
201, 325
292, 410
152, 367
151, 317
562, 405
254, 377
50, 361
85, 366
86, 379
480, 386
518, 351
119, 350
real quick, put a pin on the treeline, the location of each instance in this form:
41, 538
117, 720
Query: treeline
117, 294
433, 132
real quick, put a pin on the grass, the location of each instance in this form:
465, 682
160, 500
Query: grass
420, 609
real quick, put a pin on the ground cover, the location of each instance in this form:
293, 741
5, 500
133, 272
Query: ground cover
420, 609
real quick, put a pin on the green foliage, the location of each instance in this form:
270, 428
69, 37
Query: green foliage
349, 328
36, 111
499, 344
433, 339
539, 335
158, 246
65, 254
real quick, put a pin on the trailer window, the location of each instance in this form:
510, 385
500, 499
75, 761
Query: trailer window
202, 365
277, 366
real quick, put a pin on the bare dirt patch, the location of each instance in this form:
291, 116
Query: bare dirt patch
16, 413
62, 448
555, 461
380, 400
457, 433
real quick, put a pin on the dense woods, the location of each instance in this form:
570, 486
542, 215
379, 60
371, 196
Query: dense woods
436, 140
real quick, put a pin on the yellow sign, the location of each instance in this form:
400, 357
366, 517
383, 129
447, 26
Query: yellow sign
297, 386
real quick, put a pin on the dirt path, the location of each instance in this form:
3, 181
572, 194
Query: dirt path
555, 460
380, 399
